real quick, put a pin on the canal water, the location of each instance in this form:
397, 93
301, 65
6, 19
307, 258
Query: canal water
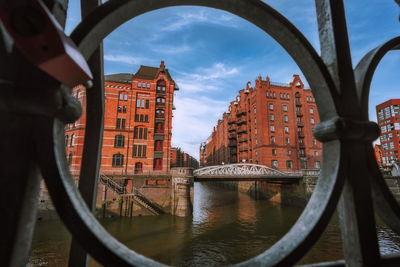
226, 227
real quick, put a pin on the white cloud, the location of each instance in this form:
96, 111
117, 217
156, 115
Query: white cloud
125, 59
172, 49
186, 19
194, 120
206, 79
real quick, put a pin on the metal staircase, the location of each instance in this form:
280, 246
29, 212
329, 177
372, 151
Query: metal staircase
138, 195
145, 203
112, 184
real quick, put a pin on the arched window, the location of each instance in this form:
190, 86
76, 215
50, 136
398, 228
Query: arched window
138, 167
160, 100
66, 140
119, 141
118, 160
160, 113
72, 140
161, 86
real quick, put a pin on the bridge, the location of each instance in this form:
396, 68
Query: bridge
245, 172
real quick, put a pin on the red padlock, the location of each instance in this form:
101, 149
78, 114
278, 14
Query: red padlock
42, 41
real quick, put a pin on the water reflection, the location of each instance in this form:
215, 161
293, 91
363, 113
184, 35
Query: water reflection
226, 227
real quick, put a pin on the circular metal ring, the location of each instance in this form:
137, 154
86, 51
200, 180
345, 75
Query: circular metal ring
385, 204
322, 204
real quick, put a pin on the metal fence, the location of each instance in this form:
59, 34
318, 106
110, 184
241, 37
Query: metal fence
35, 109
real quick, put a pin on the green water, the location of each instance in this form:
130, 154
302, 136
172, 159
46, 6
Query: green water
226, 227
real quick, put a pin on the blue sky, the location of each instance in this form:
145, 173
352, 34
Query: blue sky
212, 54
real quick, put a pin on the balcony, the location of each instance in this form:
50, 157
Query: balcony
299, 114
241, 112
160, 105
231, 121
159, 136
243, 148
242, 120
232, 136
242, 129
158, 154
243, 139
231, 128
301, 145
298, 103
232, 143
300, 134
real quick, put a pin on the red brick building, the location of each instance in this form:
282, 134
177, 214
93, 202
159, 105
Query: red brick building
378, 154
269, 124
137, 123
180, 158
388, 115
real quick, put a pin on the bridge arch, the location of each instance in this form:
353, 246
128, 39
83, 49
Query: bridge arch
241, 169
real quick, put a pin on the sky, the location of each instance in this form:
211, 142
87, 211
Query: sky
212, 54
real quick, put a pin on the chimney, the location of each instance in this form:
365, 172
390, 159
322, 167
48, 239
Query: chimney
162, 66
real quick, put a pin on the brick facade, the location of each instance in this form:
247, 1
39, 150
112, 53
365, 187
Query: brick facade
180, 158
137, 123
388, 115
270, 124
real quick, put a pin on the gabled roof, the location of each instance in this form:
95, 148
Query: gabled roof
150, 73
119, 78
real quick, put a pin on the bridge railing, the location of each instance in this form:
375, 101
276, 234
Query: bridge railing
243, 169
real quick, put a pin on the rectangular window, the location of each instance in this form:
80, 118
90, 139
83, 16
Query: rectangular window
285, 118
139, 84
118, 124
126, 97
138, 103
287, 140
272, 139
135, 133
139, 153
289, 152
134, 153
122, 123
271, 117
274, 164
137, 117
272, 128
148, 86
317, 165
147, 104
146, 118
145, 134
311, 111
142, 106
284, 108
271, 106
124, 109
140, 133
119, 109
289, 164
273, 151
144, 151
312, 120
141, 117
121, 96
286, 129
